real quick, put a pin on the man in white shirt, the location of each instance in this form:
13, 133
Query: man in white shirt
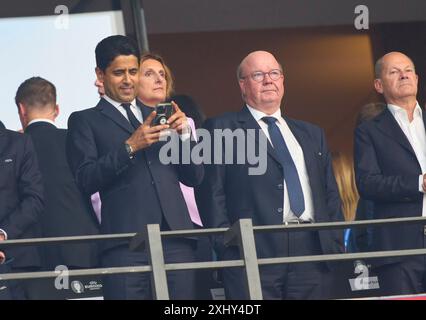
390, 166
298, 186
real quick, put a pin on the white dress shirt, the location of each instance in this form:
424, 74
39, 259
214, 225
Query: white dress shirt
136, 110
296, 153
186, 132
41, 120
416, 135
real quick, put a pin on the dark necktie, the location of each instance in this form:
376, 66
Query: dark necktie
294, 188
132, 119
146, 111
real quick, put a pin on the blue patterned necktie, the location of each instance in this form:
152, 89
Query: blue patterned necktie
294, 188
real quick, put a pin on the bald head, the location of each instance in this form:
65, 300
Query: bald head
252, 58
261, 81
396, 80
378, 67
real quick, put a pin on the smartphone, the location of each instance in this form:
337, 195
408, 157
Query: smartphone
164, 112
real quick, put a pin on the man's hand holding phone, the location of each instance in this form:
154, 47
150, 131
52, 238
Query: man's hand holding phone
146, 135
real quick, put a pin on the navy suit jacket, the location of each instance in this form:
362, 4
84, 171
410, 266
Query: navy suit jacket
387, 172
21, 195
67, 212
134, 192
228, 193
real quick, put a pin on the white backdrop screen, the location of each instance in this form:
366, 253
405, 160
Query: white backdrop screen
64, 55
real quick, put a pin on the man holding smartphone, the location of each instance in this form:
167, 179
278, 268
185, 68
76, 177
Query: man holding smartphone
113, 149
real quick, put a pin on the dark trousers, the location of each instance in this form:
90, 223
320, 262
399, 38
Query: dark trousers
24, 289
5, 291
283, 281
406, 277
137, 286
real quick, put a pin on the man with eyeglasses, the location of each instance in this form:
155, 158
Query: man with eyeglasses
298, 187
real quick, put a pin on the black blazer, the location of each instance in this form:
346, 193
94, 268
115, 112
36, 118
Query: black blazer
67, 212
229, 193
21, 195
387, 172
134, 192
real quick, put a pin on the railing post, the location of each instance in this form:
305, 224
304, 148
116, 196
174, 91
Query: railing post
243, 230
154, 245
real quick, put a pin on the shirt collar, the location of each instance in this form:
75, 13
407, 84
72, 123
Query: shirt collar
258, 115
41, 120
116, 103
400, 112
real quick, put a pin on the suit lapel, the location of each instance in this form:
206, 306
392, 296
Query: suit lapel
111, 112
2, 140
424, 117
248, 122
388, 125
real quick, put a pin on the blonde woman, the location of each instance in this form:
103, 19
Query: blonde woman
343, 167
353, 207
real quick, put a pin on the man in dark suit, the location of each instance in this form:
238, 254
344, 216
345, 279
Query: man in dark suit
111, 150
390, 166
298, 186
67, 212
3, 295
21, 205
2, 256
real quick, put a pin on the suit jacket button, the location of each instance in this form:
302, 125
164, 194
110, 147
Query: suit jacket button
280, 186
149, 163
280, 210
152, 182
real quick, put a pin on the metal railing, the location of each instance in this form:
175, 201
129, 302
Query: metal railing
241, 233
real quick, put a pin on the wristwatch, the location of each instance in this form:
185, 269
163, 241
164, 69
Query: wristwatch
129, 150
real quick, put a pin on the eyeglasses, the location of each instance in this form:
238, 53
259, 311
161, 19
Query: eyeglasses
259, 76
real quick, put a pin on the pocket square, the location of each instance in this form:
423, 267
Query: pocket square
8, 160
